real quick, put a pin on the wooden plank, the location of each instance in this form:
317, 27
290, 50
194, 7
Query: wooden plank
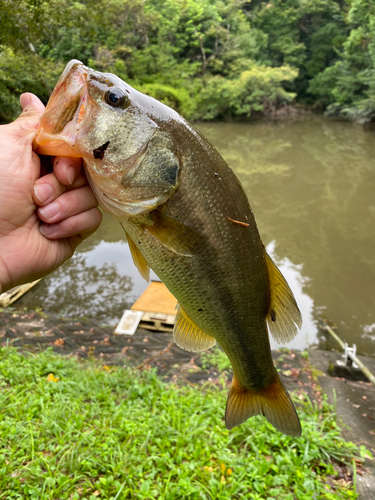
156, 299
129, 323
159, 322
14, 294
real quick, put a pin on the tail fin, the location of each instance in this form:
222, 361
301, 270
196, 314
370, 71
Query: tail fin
272, 401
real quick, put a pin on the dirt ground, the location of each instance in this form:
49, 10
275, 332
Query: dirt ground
33, 331
354, 400
355, 404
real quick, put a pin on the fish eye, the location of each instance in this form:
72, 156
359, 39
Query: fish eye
116, 98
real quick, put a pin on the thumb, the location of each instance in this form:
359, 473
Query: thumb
31, 105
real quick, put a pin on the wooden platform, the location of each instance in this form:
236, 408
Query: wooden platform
158, 311
156, 299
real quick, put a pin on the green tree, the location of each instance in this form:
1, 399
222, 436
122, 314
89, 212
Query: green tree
206, 58
24, 72
255, 89
348, 86
304, 34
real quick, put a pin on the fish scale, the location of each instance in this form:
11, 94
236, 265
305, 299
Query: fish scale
232, 290
187, 217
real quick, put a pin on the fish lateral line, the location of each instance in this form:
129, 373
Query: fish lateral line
244, 224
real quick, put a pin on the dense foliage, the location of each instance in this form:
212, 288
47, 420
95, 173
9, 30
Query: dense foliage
208, 59
82, 431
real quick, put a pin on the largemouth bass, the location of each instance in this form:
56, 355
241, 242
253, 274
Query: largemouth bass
187, 217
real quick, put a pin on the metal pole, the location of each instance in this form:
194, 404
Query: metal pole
364, 369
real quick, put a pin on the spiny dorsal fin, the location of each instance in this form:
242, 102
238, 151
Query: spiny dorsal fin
175, 235
138, 258
188, 336
272, 401
284, 317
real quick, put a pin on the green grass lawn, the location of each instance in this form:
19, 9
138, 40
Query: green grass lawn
88, 431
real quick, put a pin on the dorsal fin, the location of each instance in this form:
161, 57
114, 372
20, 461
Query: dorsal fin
188, 336
138, 258
284, 317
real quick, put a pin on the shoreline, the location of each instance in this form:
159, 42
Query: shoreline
33, 331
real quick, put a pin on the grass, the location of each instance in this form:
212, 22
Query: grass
81, 430
215, 357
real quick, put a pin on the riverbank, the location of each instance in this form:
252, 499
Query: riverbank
305, 373
34, 331
355, 405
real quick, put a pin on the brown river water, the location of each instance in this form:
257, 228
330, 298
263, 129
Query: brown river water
311, 184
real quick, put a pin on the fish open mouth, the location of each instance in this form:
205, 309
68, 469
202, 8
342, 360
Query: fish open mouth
65, 113
81, 110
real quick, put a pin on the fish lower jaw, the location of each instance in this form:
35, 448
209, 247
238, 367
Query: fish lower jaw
56, 145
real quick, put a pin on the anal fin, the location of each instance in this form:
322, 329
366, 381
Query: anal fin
284, 317
272, 401
188, 336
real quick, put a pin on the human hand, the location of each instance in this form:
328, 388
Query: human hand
42, 219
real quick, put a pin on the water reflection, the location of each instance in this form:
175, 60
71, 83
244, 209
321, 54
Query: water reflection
294, 275
99, 282
311, 184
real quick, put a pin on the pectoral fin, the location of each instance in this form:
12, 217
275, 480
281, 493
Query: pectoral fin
178, 237
284, 317
188, 336
138, 258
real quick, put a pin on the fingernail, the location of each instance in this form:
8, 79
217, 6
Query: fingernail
43, 192
49, 211
48, 229
25, 100
71, 173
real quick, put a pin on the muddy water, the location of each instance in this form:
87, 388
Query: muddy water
311, 184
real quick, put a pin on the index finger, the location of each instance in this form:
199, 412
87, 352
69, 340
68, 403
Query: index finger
67, 169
